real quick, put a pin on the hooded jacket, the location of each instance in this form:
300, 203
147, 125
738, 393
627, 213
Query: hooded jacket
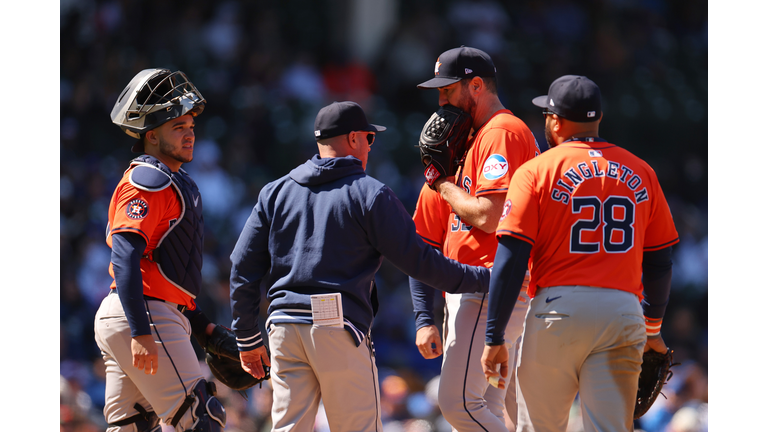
326, 228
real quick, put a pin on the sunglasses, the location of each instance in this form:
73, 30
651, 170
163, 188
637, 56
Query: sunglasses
370, 136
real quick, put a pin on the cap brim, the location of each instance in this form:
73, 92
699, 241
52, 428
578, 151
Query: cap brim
540, 101
376, 128
438, 82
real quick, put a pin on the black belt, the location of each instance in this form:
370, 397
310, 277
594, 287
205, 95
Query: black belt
180, 308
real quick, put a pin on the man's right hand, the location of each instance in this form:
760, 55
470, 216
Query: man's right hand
144, 352
492, 357
425, 337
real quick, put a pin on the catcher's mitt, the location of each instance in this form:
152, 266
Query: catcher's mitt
443, 142
221, 342
231, 373
654, 374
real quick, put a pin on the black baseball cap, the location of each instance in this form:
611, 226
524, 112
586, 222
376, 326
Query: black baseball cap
573, 97
458, 63
340, 118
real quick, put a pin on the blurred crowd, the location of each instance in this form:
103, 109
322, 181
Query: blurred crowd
266, 68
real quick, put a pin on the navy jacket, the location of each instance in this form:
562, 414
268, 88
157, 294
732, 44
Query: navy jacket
325, 228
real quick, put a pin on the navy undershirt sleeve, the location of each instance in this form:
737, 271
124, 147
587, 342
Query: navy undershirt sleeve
423, 297
126, 257
657, 281
509, 269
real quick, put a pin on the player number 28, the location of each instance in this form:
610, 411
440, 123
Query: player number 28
618, 231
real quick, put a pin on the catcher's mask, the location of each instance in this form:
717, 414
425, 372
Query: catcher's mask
153, 97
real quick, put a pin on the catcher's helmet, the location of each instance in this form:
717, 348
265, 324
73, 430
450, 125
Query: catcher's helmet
153, 97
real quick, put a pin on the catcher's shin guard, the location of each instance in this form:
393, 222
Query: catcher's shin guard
145, 421
208, 413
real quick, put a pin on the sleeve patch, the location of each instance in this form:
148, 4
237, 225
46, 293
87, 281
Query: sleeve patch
496, 166
137, 209
149, 178
506, 210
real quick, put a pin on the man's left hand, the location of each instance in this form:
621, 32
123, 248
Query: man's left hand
254, 361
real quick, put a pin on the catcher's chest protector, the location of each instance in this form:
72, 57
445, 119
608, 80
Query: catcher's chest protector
179, 255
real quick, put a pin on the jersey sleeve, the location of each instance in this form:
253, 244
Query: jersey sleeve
139, 211
393, 234
250, 263
661, 232
520, 216
431, 217
503, 153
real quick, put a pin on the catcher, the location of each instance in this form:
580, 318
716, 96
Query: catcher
155, 231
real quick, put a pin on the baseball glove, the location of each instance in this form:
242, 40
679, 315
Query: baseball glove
221, 342
654, 374
231, 373
443, 142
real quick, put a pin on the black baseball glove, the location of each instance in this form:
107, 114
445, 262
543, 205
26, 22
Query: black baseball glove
231, 372
443, 142
654, 374
221, 342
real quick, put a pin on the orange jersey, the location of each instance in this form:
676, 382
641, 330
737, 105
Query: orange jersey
498, 148
149, 214
590, 210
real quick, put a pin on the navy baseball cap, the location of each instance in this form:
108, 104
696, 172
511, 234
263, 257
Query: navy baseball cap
340, 118
458, 63
573, 97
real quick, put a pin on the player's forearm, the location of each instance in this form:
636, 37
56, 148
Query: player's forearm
425, 264
250, 263
480, 212
509, 269
245, 298
127, 249
657, 283
423, 298
200, 323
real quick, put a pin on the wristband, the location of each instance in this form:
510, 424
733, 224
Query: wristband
652, 326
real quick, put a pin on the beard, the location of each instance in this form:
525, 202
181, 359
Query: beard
169, 150
466, 103
548, 135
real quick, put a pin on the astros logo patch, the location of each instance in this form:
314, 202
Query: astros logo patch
137, 209
506, 210
495, 166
